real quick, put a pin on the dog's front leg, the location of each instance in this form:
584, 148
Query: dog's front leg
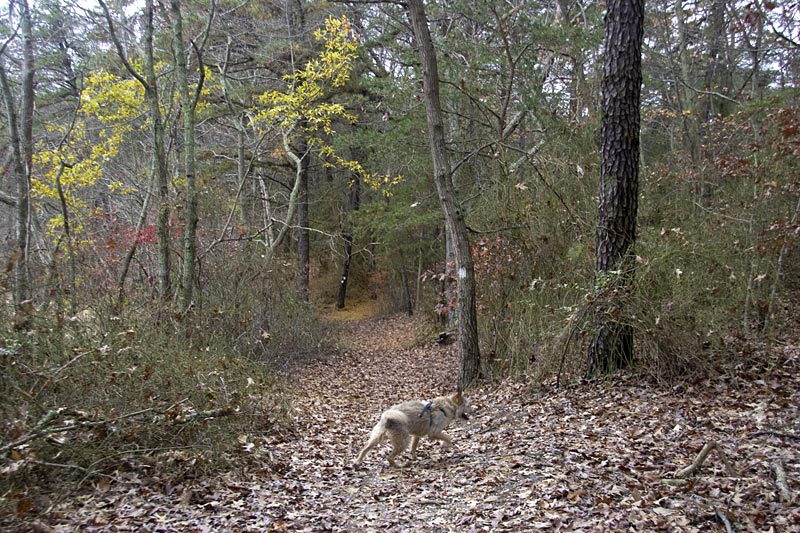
447, 442
414, 442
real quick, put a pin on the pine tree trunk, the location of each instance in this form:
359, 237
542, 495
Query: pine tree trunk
454, 217
612, 344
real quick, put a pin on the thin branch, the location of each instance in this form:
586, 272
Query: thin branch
723, 519
118, 45
198, 50
708, 93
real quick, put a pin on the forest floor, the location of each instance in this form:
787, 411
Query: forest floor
597, 456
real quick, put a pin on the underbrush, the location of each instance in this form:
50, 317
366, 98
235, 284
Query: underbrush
146, 390
81, 400
715, 259
693, 301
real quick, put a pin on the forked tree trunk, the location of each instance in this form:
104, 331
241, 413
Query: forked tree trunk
612, 344
453, 215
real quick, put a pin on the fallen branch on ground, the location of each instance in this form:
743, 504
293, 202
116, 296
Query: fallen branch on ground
780, 480
723, 519
45, 428
204, 415
700, 459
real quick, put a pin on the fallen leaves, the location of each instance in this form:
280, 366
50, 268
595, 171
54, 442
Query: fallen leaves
587, 457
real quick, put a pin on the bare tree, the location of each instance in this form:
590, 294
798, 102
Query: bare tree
149, 82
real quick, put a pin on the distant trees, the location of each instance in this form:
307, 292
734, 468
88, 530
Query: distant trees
293, 193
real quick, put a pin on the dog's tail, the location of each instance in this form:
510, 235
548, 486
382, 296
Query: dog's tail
393, 420
393, 424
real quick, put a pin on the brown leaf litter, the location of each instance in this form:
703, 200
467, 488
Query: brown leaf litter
599, 456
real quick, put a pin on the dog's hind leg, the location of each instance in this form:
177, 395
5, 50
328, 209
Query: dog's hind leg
375, 438
399, 444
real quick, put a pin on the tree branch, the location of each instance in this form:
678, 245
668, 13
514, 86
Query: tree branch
700, 459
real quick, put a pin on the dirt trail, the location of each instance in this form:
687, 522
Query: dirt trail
589, 458
592, 457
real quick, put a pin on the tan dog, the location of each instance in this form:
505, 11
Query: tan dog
412, 420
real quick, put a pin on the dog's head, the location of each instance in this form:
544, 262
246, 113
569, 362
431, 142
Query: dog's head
463, 409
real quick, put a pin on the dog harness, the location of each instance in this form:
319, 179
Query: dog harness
429, 409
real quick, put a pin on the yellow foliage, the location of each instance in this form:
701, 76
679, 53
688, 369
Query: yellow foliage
79, 160
302, 105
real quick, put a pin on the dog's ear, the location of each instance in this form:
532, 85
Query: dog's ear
457, 398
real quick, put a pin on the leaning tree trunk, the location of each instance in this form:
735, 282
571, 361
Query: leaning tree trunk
612, 344
453, 215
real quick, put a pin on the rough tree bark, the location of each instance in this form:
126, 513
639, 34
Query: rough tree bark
612, 344
454, 217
